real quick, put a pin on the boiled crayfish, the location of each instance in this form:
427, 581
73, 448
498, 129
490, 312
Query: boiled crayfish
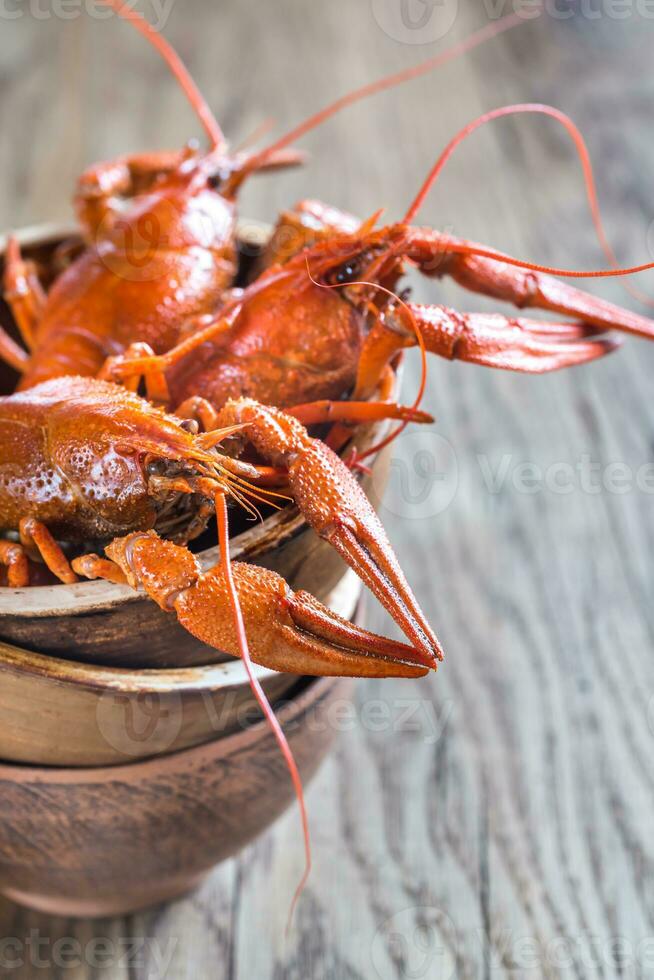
326, 322
160, 238
160, 249
82, 459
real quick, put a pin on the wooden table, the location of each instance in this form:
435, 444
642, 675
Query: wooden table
496, 820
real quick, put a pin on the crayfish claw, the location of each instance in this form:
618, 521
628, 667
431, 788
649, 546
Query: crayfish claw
368, 551
333, 503
287, 631
344, 646
498, 341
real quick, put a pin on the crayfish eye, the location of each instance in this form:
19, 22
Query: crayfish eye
155, 467
217, 180
346, 273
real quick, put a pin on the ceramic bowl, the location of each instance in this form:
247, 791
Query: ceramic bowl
108, 841
58, 712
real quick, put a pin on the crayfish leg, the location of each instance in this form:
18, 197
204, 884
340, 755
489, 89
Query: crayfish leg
355, 413
198, 409
92, 566
23, 292
34, 534
14, 557
146, 368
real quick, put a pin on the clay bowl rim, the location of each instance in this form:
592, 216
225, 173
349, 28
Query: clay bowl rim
181, 681
98, 596
311, 691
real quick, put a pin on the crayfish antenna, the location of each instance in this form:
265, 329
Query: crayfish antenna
388, 81
587, 168
177, 67
210, 608
257, 690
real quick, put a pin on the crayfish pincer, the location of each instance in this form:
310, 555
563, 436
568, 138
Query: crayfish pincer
83, 460
287, 631
334, 504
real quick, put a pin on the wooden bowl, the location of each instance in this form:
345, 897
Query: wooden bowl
98, 842
97, 622
62, 713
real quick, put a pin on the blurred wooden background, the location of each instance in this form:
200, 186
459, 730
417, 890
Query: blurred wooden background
496, 820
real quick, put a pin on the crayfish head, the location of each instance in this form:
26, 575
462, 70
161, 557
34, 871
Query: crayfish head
183, 476
186, 485
140, 208
180, 506
126, 464
183, 210
309, 221
355, 262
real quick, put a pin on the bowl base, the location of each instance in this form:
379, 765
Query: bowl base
99, 908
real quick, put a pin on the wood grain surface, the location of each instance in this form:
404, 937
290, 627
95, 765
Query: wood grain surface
495, 821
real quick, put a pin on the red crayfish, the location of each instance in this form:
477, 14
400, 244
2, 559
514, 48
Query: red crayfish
326, 322
160, 239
